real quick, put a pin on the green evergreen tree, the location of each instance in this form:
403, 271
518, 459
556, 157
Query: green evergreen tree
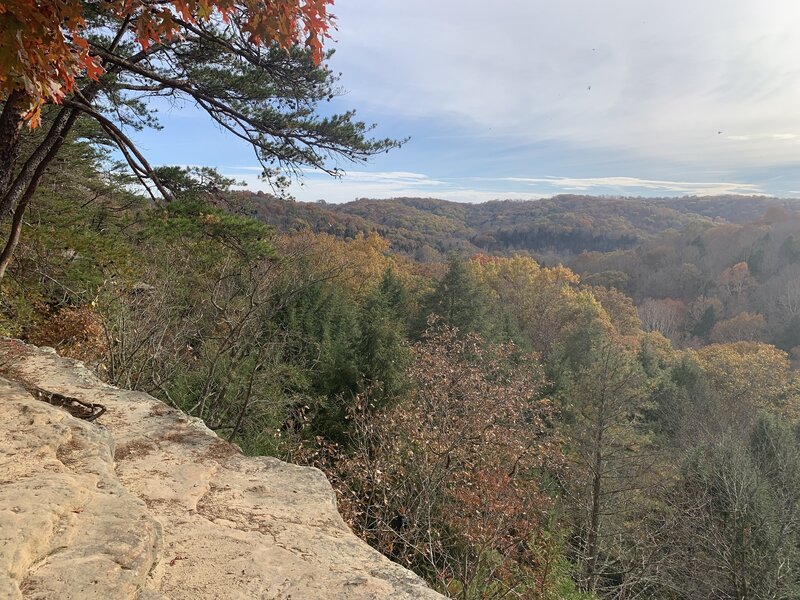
461, 302
608, 443
383, 355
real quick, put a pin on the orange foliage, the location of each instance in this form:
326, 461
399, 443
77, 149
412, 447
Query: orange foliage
736, 279
44, 45
456, 464
75, 332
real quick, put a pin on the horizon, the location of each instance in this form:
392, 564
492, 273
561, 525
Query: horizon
665, 198
621, 99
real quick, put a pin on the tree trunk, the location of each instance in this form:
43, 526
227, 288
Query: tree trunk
17, 191
10, 128
43, 154
25, 184
597, 490
13, 239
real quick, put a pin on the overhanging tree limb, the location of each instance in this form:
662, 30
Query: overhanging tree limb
136, 160
263, 95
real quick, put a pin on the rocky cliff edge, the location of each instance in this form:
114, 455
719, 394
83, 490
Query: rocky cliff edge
148, 504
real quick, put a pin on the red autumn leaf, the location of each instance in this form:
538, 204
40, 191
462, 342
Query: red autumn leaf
44, 48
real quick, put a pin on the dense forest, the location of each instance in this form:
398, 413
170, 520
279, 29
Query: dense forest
560, 227
700, 269
572, 398
503, 427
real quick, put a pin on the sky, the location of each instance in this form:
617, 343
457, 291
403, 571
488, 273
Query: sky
526, 99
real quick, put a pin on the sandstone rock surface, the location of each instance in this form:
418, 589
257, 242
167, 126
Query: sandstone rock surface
149, 504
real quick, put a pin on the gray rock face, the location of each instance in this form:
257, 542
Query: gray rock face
149, 504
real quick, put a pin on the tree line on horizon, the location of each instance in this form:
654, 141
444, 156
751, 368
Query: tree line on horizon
700, 270
566, 399
502, 427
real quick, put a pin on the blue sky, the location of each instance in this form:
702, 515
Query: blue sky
527, 98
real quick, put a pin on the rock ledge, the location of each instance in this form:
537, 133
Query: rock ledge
148, 504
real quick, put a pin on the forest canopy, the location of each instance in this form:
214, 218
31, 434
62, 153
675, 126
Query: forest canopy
499, 425
571, 398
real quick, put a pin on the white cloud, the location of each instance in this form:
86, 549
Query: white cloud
394, 184
587, 184
402, 178
658, 80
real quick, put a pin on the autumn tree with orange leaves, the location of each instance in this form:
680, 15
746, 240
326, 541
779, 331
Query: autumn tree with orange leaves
449, 482
255, 67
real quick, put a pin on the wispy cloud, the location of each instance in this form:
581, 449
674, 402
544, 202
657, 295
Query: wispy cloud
662, 81
588, 184
387, 184
403, 178
393, 184
354, 184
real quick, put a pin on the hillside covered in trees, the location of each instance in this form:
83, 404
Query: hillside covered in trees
560, 227
578, 398
700, 269
503, 427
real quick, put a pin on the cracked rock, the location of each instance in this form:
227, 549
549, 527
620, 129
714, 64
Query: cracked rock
148, 504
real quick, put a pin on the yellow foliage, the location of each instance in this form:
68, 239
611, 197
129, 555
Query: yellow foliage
659, 346
620, 309
358, 264
754, 374
546, 301
745, 326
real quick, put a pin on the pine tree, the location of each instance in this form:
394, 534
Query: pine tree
461, 302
